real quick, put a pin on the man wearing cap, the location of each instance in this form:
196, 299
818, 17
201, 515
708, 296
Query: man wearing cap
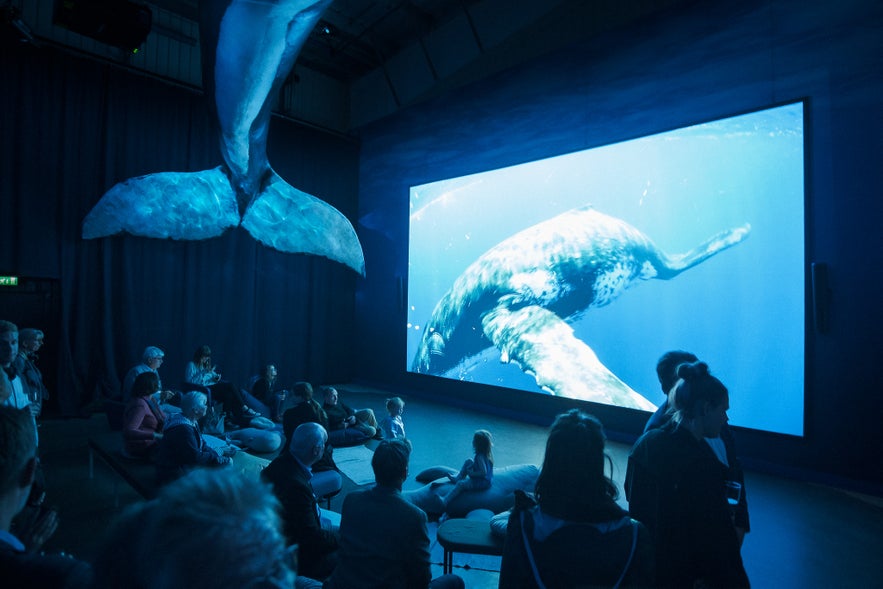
151, 360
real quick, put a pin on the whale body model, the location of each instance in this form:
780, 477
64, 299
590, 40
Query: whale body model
520, 295
248, 49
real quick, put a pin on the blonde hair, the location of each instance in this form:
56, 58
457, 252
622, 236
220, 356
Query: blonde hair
483, 443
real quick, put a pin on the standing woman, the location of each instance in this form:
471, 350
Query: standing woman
572, 533
201, 372
143, 419
677, 487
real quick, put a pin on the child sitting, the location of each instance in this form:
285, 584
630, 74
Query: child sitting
392, 426
477, 472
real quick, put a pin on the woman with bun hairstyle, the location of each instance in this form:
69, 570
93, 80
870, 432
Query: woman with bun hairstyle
676, 486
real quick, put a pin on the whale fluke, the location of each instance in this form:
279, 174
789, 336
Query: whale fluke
291, 220
176, 205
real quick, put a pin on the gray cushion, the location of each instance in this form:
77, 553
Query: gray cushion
499, 497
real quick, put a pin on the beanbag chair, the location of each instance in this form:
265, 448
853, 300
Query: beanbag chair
498, 498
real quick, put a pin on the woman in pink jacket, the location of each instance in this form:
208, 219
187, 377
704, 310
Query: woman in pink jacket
143, 419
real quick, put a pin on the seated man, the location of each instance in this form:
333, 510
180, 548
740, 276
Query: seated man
384, 543
18, 465
30, 341
182, 448
345, 426
290, 473
230, 538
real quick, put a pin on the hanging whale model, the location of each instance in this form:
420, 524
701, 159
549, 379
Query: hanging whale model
520, 295
248, 49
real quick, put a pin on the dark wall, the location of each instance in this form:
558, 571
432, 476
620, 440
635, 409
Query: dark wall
700, 63
71, 129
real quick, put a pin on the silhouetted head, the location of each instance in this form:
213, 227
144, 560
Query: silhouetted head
153, 357
667, 368
700, 398
390, 462
8, 342
145, 384
303, 390
572, 483
30, 339
308, 442
213, 528
395, 406
201, 353
18, 453
483, 443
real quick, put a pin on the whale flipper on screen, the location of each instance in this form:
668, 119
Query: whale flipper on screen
520, 295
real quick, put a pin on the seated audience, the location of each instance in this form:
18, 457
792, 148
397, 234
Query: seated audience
19, 567
392, 427
143, 419
265, 391
384, 543
208, 530
202, 375
676, 486
724, 446
182, 447
30, 341
572, 533
291, 475
345, 426
151, 360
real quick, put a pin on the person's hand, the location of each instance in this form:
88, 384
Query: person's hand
166, 395
157, 436
351, 419
34, 409
229, 451
36, 524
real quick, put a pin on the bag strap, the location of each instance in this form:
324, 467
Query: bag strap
628, 562
536, 572
530, 559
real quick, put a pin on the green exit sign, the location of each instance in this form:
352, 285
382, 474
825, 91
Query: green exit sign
8, 280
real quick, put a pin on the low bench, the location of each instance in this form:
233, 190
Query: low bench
469, 537
139, 474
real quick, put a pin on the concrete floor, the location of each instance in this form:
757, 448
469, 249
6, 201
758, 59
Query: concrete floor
803, 535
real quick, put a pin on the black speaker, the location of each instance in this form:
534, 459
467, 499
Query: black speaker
821, 297
118, 23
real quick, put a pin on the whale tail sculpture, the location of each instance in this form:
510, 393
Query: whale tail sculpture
248, 50
519, 295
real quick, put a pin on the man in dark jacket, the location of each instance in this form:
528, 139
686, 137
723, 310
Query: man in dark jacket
290, 474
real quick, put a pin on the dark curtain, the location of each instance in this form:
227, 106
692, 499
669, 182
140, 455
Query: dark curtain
71, 129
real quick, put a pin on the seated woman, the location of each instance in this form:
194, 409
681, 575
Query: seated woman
676, 486
143, 418
182, 448
345, 426
264, 390
573, 534
202, 375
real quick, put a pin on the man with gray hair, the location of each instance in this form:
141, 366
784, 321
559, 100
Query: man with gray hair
30, 340
18, 468
212, 529
182, 448
151, 360
290, 473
